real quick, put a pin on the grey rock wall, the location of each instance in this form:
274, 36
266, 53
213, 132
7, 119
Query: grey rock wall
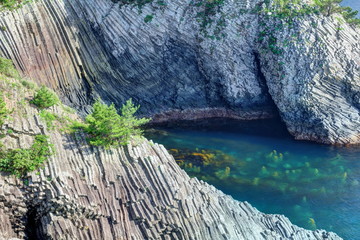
85, 49
315, 82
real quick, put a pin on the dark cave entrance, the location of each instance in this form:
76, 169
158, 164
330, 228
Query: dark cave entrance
32, 223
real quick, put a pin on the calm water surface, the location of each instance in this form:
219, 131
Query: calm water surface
316, 186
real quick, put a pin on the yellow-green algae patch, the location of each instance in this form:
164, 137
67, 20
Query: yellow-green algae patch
271, 170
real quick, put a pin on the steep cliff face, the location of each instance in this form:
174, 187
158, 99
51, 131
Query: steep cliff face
134, 192
315, 81
85, 49
89, 48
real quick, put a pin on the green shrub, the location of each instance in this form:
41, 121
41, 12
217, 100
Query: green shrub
49, 118
3, 111
12, 4
28, 84
7, 68
45, 98
107, 128
21, 161
148, 18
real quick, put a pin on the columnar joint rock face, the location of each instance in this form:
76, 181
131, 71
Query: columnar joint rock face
134, 192
88, 48
315, 81
85, 49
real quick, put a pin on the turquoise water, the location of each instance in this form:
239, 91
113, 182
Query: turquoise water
315, 186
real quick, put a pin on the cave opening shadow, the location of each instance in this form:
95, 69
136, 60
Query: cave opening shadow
272, 128
32, 231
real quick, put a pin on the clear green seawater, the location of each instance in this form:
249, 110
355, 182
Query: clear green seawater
315, 186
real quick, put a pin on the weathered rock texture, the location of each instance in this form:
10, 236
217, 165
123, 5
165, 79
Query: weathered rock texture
315, 82
89, 48
86, 48
134, 192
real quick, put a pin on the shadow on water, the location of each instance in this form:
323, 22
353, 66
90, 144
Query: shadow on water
316, 186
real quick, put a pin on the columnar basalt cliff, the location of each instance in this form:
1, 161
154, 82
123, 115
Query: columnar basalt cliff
315, 82
134, 192
86, 48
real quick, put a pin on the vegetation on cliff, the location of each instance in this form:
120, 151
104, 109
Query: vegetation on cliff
104, 126
12, 4
289, 9
212, 20
7, 68
3, 111
45, 98
20, 161
107, 128
139, 3
328, 7
280, 20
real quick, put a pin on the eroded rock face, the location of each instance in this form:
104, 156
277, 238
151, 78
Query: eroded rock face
94, 48
134, 192
87, 48
315, 81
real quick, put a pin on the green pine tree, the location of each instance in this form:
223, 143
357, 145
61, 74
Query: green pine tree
109, 129
328, 7
130, 122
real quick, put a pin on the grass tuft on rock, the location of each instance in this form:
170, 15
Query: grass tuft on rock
12, 4
7, 68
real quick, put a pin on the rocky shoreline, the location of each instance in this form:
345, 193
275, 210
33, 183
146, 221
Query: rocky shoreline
208, 113
134, 192
85, 49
